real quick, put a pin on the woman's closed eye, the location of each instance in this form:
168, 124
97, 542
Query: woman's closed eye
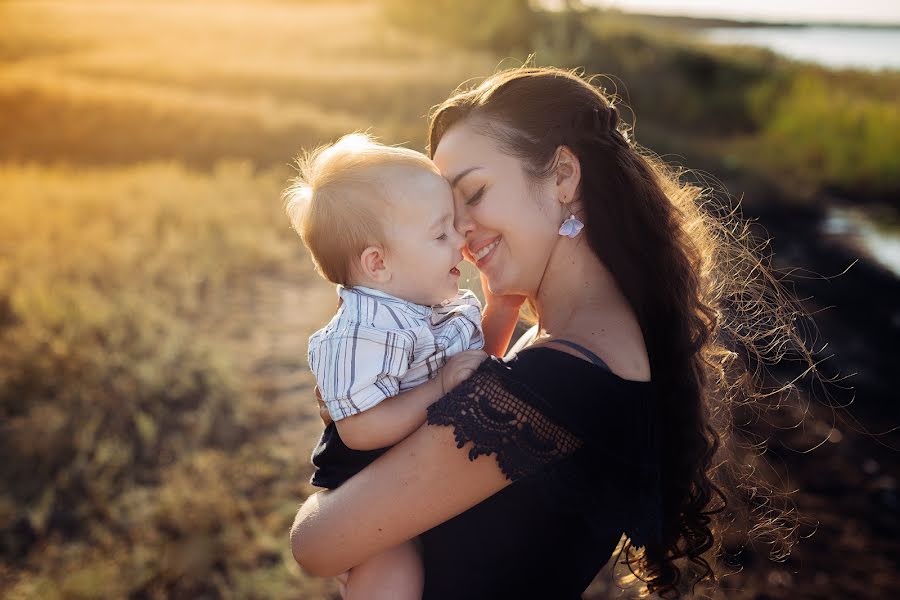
476, 197
442, 237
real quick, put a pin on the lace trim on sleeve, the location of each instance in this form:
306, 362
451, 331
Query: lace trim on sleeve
603, 466
501, 416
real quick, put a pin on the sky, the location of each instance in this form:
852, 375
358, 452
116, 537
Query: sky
856, 11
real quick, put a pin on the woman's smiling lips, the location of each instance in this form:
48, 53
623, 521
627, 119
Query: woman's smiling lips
483, 250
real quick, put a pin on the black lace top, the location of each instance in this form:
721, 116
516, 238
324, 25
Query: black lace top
580, 445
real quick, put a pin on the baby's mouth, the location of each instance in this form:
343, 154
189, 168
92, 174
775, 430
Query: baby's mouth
454, 270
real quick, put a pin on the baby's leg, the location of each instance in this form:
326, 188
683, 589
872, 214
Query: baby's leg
395, 574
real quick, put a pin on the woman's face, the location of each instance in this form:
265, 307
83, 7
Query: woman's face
510, 222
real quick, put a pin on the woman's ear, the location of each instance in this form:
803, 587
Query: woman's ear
568, 174
373, 265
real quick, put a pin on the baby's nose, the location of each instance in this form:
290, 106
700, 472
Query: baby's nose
459, 241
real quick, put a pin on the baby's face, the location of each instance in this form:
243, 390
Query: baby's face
423, 249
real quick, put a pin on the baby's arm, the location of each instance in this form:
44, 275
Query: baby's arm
390, 420
396, 417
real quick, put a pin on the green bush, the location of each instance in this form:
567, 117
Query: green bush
821, 132
808, 127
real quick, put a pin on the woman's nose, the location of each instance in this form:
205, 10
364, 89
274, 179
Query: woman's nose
462, 223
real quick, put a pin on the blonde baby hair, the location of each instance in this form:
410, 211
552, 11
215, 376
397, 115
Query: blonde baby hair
333, 203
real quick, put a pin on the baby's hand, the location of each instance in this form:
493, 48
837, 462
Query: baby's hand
459, 368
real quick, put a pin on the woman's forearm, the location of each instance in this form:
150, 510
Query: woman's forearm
391, 420
422, 481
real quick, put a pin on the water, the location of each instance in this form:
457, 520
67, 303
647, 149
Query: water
865, 231
837, 47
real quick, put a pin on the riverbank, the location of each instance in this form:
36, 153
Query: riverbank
808, 128
840, 452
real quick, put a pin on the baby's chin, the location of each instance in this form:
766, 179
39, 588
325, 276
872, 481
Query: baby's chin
446, 298
451, 293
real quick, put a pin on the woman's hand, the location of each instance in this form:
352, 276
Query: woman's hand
342, 583
417, 484
510, 302
323, 410
499, 315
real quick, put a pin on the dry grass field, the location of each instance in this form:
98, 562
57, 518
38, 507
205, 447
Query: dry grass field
154, 303
107, 82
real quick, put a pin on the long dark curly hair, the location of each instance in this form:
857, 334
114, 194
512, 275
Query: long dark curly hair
711, 308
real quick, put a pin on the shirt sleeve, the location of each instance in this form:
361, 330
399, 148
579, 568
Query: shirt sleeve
357, 366
461, 328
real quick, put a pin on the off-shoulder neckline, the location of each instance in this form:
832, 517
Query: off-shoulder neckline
588, 364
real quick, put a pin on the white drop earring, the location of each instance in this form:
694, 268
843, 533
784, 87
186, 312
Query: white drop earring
571, 226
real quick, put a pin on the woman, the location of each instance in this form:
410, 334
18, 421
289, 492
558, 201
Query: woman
603, 419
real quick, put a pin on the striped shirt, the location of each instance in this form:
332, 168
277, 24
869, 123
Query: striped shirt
378, 345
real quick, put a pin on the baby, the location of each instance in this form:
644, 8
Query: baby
378, 222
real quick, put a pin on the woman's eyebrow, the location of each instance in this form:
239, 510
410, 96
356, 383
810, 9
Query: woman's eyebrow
459, 176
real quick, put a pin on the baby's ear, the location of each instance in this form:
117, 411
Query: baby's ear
371, 261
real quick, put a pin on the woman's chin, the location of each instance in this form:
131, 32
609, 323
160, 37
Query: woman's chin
499, 289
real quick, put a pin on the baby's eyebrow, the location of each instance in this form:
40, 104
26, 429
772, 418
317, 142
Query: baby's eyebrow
440, 220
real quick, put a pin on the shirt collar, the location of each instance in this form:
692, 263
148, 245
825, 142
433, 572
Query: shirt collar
410, 308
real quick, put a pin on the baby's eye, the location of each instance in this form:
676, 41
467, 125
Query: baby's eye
443, 236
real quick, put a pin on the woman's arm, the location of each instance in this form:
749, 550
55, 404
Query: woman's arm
498, 319
498, 322
421, 482
490, 430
